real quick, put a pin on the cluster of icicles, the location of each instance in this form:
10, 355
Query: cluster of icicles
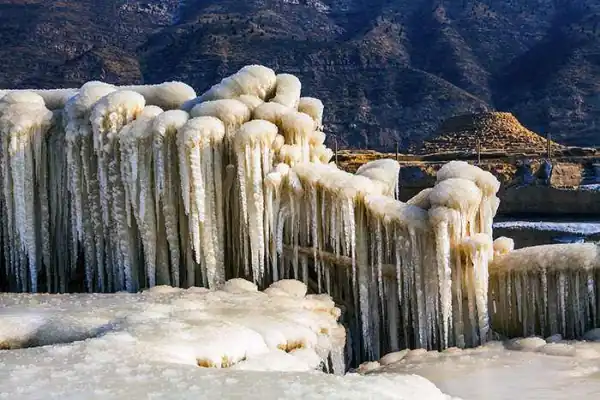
131, 187
546, 290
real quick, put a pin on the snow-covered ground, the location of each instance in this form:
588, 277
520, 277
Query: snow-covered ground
174, 344
259, 345
529, 369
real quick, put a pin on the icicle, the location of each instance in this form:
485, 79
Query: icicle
24, 123
254, 138
314, 233
439, 220
476, 249
135, 141
556, 270
201, 150
82, 180
109, 116
337, 359
60, 227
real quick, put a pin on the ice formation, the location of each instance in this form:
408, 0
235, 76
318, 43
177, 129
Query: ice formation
385, 171
503, 245
476, 250
173, 343
125, 188
167, 193
233, 326
24, 125
545, 290
487, 184
201, 151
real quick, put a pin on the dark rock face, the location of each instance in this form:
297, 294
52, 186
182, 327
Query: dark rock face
524, 176
591, 174
388, 70
545, 172
547, 200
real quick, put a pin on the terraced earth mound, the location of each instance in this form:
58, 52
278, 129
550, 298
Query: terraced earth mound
495, 131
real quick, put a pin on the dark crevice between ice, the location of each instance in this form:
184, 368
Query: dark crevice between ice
53, 332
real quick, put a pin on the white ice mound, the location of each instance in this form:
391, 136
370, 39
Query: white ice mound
529, 364
503, 245
292, 287
216, 329
239, 285
385, 171
173, 343
166, 95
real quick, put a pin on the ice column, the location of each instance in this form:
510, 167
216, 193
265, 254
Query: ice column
83, 184
402, 253
200, 156
166, 127
135, 143
233, 113
24, 124
476, 252
254, 158
109, 116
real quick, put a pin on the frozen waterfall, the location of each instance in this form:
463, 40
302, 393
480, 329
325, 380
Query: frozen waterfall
124, 188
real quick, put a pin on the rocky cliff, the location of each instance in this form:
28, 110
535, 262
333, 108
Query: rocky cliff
389, 71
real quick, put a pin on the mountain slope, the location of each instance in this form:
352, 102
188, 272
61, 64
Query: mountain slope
387, 70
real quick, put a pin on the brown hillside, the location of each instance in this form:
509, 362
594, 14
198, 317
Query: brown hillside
496, 131
389, 72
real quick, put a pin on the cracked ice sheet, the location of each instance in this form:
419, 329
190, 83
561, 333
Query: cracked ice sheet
562, 370
147, 346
